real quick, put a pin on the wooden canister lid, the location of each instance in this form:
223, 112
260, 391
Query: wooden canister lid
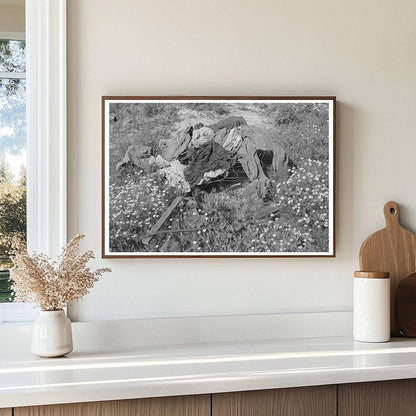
372, 275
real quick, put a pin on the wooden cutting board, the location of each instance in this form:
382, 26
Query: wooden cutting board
393, 250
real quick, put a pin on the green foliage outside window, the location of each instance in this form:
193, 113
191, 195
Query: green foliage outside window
12, 223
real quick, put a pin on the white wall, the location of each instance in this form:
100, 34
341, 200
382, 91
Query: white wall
361, 51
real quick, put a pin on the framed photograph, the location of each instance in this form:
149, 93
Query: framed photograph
218, 176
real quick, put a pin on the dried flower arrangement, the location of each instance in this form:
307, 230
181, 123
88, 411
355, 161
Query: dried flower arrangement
53, 285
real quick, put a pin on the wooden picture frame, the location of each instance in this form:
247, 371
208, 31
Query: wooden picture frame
205, 176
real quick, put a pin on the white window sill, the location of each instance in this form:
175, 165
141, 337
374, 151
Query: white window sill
16, 313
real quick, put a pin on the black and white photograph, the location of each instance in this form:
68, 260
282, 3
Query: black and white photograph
218, 176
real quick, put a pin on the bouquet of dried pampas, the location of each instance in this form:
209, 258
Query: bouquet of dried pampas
53, 285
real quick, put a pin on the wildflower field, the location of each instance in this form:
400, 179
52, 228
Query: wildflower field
294, 219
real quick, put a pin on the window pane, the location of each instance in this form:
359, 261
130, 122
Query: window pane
12, 56
12, 175
12, 117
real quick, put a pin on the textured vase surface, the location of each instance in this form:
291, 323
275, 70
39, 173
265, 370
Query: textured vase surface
52, 334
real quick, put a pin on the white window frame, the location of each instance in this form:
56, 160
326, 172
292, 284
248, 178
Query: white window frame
46, 127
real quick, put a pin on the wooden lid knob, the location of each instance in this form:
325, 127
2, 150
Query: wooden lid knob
372, 275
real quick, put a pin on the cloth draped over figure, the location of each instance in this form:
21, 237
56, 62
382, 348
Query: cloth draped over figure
201, 155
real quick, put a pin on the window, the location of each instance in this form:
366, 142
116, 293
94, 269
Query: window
12, 153
45, 90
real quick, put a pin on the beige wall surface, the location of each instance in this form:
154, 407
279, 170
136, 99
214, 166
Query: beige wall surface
361, 51
12, 18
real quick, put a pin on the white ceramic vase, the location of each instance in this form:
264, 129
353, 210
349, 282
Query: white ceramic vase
52, 334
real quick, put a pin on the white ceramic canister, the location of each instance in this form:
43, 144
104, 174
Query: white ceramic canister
52, 334
371, 307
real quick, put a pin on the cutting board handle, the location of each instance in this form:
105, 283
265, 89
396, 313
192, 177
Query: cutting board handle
391, 213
